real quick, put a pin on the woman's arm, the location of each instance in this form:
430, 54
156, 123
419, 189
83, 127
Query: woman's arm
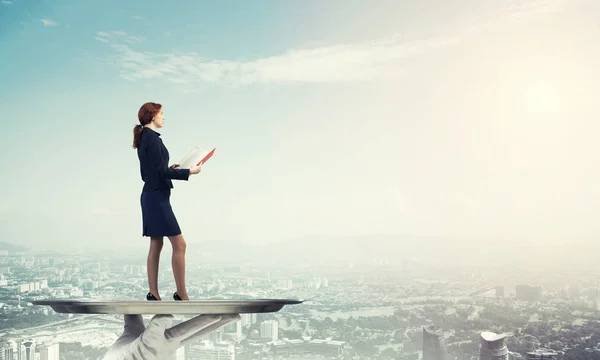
159, 165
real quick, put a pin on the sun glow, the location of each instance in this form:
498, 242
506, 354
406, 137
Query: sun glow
543, 98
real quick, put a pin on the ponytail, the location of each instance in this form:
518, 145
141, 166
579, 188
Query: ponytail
137, 134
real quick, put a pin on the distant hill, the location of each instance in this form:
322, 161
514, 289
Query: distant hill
329, 247
12, 248
225, 250
232, 247
354, 248
501, 252
386, 247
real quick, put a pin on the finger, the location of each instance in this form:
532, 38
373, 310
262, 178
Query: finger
156, 328
225, 319
191, 326
134, 325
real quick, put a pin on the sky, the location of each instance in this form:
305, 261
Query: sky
474, 119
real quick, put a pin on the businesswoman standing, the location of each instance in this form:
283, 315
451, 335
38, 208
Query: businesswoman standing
158, 218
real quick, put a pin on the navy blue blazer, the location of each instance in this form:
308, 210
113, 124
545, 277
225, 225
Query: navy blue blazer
154, 163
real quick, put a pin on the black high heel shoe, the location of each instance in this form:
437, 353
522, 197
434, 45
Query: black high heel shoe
177, 297
151, 297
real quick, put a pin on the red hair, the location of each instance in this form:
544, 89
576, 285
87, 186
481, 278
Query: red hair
145, 115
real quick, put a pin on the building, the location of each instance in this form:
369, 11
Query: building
8, 351
493, 346
26, 350
542, 354
434, 347
49, 352
206, 350
249, 319
269, 330
528, 293
308, 346
233, 330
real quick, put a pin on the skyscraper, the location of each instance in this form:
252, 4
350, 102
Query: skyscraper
434, 347
493, 346
29, 350
269, 330
49, 352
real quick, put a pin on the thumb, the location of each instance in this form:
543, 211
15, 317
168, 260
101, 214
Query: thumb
156, 328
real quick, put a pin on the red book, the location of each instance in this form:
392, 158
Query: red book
197, 156
207, 156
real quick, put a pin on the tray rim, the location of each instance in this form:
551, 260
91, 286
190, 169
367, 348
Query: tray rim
208, 307
162, 302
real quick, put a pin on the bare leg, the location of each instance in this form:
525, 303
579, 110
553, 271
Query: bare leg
178, 264
156, 244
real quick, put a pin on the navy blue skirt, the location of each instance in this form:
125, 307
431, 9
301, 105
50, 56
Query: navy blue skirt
158, 218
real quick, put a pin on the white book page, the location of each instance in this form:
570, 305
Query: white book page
193, 158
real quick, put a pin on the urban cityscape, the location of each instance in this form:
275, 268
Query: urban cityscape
404, 309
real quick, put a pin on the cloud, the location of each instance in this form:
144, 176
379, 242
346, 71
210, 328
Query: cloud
381, 58
112, 37
48, 22
334, 63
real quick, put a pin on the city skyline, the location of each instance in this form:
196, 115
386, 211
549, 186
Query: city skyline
419, 313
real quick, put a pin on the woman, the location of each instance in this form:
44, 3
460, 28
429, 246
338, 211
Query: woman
157, 215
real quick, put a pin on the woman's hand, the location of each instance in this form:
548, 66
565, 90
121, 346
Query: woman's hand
195, 169
174, 166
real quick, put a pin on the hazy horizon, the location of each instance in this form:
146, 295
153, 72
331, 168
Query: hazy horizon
452, 119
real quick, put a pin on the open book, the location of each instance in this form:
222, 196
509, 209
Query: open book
197, 156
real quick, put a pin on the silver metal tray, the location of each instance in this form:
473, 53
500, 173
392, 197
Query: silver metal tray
167, 307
